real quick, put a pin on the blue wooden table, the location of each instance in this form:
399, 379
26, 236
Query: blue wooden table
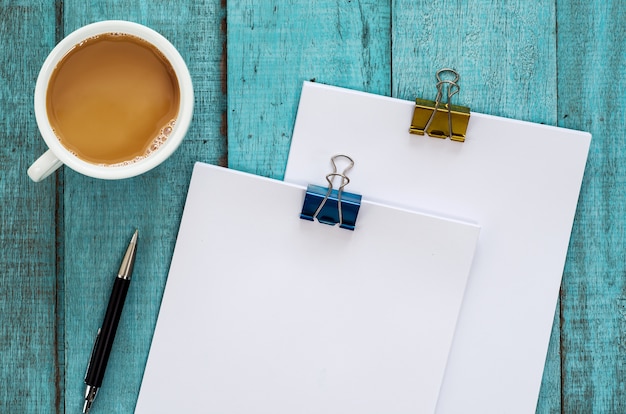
556, 62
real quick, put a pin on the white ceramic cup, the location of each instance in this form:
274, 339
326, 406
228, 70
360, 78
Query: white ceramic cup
57, 154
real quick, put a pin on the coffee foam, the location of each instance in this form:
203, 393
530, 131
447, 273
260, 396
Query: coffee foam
154, 146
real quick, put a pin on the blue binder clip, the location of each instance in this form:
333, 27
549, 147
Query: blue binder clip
329, 205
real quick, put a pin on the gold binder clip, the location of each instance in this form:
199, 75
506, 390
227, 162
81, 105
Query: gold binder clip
430, 116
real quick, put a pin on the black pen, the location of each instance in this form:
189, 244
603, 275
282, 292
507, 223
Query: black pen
106, 334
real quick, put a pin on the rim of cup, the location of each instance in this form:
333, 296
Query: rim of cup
183, 119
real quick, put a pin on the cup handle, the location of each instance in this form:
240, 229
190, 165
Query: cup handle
44, 166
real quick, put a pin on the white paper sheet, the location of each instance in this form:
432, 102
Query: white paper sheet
266, 313
519, 180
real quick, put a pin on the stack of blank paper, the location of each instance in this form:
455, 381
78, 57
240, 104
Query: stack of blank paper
520, 181
266, 313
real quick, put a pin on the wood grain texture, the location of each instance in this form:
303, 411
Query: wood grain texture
504, 52
28, 354
100, 216
274, 46
28, 369
592, 78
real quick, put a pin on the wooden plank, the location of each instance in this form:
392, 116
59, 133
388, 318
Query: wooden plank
549, 401
592, 78
274, 46
28, 326
100, 216
507, 68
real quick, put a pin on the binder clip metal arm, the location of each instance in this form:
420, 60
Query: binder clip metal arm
329, 205
441, 120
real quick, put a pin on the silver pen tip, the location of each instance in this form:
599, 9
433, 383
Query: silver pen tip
90, 395
126, 269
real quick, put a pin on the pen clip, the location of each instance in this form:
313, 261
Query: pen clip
93, 351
